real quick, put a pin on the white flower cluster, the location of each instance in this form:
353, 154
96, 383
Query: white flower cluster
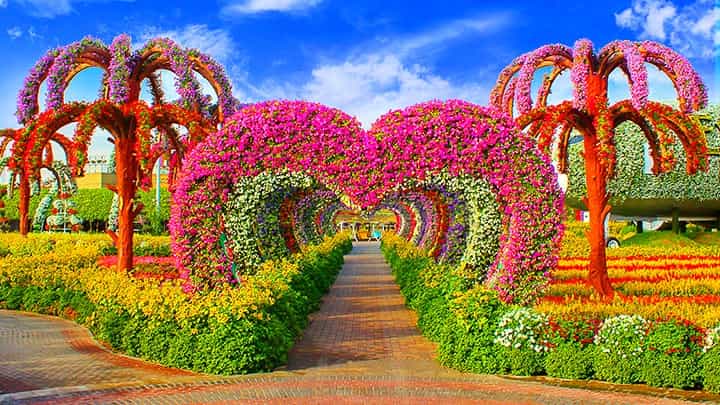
255, 199
482, 217
522, 328
114, 213
42, 210
712, 338
622, 335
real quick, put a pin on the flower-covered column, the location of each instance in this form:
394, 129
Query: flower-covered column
125, 168
24, 204
590, 113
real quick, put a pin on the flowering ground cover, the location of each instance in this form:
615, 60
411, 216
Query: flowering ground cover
656, 275
223, 331
634, 339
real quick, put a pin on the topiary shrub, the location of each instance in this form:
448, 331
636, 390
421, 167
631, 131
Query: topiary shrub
571, 360
573, 352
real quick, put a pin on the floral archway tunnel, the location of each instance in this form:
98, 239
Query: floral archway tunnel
463, 181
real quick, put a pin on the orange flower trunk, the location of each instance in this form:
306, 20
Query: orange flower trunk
598, 208
126, 168
24, 205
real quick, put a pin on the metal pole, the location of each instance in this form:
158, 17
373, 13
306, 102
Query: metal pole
64, 206
157, 185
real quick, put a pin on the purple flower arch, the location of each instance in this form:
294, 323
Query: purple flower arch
466, 139
413, 143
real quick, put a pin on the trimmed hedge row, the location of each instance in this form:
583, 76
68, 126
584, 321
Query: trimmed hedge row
477, 333
238, 333
94, 204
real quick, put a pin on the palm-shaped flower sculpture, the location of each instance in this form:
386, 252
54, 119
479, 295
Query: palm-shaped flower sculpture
42, 157
590, 114
141, 133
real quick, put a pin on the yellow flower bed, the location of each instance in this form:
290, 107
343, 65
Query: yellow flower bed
71, 264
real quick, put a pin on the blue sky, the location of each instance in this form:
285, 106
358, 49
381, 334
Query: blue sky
363, 57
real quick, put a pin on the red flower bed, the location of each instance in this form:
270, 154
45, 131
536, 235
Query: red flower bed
162, 268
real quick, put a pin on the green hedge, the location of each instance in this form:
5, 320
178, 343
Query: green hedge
465, 320
94, 204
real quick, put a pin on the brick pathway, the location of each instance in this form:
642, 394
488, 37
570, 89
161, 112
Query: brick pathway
361, 347
363, 317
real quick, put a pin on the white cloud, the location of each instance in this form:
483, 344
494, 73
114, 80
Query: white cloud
691, 28
650, 15
371, 86
3, 3
215, 42
14, 32
262, 6
32, 34
447, 32
376, 77
626, 19
47, 8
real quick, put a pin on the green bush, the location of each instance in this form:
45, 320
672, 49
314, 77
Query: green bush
571, 360
619, 353
523, 361
672, 355
710, 364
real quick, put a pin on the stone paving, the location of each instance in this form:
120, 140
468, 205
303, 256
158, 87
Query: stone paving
360, 347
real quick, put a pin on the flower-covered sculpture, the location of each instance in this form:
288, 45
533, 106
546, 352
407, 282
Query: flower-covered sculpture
141, 132
289, 150
124, 71
590, 114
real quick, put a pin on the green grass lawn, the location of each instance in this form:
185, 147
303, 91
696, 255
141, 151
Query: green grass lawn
662, 239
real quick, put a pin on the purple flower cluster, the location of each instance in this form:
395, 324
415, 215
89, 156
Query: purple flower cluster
27, 101
88, 50
514, 82
119, 69
557, 53
124, 70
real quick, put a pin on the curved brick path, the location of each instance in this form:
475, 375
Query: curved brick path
361, 347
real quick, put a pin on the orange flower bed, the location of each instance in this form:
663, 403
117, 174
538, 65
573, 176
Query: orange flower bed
684, 285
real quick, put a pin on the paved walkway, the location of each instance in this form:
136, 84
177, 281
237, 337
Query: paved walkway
361, 347
363, 317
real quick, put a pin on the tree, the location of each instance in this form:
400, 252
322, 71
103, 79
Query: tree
139, 132
590, 114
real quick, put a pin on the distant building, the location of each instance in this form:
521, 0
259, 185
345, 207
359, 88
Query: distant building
100, 173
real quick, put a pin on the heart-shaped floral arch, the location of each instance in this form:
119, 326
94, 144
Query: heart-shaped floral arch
287, 150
